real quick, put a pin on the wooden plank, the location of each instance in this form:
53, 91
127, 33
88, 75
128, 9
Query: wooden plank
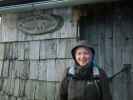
41, 91
34, 49
108, 56
7, 51
8, 86
21, 50
26, 50
51, 70
61, 66
2, 51
14, 51
1, 67
19, 88
64, 48
42, 73
30, 89
9, 30
48, 49
119, 90
51, 90
5, 68
22, 69
34, 70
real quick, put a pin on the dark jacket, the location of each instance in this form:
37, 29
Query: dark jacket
85, 87
84, 84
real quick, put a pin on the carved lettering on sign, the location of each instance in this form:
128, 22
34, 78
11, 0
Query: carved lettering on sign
40, 24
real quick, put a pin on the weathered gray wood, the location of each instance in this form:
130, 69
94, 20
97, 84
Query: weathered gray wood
64, 48
2, 51
1, 66
21, 49
51, 70
51, 90
19, 88
26, 50
5, 68
41, 91
11, 32
7, 51
61, 66
20, 70
119, 92
34, 50
34, 69
42, 70
108, 65
9, 29
30, 89
48, 49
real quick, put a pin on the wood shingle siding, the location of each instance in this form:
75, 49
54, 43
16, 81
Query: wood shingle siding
32, 66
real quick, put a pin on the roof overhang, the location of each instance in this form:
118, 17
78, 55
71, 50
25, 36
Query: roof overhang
28, 5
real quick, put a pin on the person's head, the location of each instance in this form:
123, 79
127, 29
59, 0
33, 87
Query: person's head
83, 54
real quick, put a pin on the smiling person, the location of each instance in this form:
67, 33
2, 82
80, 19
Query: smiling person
84, 80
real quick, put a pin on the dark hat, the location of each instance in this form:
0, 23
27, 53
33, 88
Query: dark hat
82, 43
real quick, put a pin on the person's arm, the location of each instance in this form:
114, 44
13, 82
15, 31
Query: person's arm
104, 85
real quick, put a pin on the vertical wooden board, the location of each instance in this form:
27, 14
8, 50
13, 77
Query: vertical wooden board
42, 70
51, 70
57, 97
11, 86
34, 68
34, 49
8, 86
16, 87
13, 98
4, 97
100, 39
2, 51
51, 90
14, 51
68, 29
19, 67
118, 37
61, 66
12, 70
7, 51
30, 89
26, 50
1, 67
21, 36
20, 52
9, 30
1, 28
108, 65
5, 68
41, 91
5, 85
48, 49
19, 86
64, 47
22, 69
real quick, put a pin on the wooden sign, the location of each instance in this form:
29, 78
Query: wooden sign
40, 24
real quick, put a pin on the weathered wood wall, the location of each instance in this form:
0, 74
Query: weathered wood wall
31, 66
109, 29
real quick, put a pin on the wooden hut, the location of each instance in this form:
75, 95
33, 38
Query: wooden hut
36, 38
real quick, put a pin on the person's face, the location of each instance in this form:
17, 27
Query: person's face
83, 56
